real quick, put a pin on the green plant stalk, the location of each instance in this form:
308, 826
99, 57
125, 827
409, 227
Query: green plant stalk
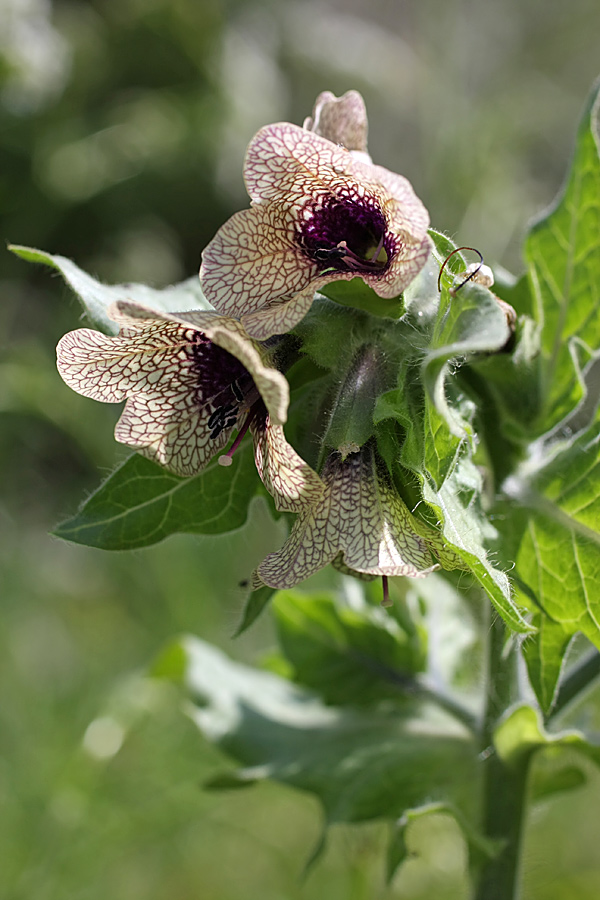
504, 787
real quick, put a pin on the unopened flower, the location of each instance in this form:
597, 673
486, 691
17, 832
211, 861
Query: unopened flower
361, 524
320, 212
189, 380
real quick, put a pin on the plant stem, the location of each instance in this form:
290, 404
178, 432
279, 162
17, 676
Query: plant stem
504, 787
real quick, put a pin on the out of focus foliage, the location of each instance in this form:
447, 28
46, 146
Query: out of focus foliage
122, 130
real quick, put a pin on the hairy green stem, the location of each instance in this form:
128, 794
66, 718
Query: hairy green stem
504, 787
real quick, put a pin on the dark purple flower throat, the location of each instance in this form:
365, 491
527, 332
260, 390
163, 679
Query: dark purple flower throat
223, 384
346, 235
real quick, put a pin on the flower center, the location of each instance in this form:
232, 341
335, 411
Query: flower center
222, 383
346, 235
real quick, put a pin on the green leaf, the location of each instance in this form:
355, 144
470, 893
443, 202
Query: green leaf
141, 504
563, 256
521, 733
515, 374
332, 334
515, 291
96, 297
553, 776
350, 418
255, 604
469, 322
361, 765
357, 294
355, 655
480, 848
429, 448
397, 850
442, 329
468, 530
558, 559
544, 654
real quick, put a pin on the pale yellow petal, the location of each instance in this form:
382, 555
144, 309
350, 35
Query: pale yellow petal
342, 120
287, 164
279, 318
108, 368
230, 335
290, 481
361, 521
172, 432
185, 378
339, 564
404, 210
254, 258
405, 264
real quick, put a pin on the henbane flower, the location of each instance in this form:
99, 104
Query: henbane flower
320, 212
189, 379
361, 524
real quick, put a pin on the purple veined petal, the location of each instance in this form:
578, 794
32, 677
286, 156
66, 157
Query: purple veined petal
342, 120
286, 163
175, 435
290, 481
402, 206
405, 264
186, 389
230, 335
280, 318
360, 521
319, 211
253, 259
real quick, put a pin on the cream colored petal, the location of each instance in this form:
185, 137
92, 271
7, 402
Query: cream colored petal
108, 368
307, 549
172, 431
342, 120
279, 318
403, 209
272, 385
378, 536
231, 336
290, 481
406, 263
288, 164
184, 392
361, 520
253, 259
339, 564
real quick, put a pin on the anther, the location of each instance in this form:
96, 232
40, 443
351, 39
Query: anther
227, 458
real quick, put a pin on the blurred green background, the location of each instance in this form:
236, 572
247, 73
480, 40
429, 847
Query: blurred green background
123, 125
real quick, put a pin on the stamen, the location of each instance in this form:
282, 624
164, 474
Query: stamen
237, 392
361, 225
387, 601
227, 458
377, 250
325, 253
356, 262
222, 418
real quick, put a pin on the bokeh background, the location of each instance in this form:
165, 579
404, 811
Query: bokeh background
123, 125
